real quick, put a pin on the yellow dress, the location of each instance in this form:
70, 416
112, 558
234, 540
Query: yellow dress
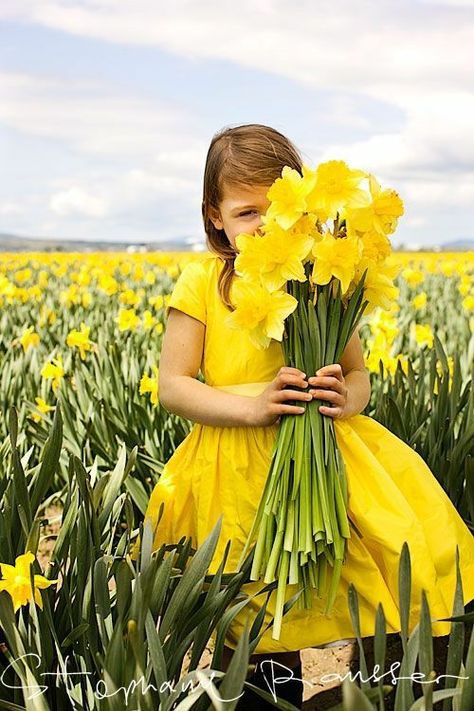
393, 495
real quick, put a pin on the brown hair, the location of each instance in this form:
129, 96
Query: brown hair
251, 154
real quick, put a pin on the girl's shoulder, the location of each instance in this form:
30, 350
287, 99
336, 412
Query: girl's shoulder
205, 266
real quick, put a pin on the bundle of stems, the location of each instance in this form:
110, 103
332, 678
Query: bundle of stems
301, 523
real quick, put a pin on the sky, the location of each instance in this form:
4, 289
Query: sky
107, 107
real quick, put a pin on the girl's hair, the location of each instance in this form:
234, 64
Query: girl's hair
240, 156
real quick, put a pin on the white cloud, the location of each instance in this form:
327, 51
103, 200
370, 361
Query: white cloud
411, 59
77, 201
86, 115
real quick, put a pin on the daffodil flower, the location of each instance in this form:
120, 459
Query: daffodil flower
17, 583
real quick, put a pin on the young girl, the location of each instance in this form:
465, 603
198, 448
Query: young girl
221, 466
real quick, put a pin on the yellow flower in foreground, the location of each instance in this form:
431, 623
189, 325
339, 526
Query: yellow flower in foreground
150, 385
381, 214
379, 289
419, 302
29, 338
53, 370
336, 257
16, 581
80, 339
127, 320
260, 312
375, 246
288, 196
422, 334
274, 258
43, 407
337, 187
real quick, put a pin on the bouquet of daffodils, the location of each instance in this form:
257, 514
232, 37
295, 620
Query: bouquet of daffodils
317, 263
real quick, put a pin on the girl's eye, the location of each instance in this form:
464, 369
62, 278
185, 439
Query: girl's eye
249, 212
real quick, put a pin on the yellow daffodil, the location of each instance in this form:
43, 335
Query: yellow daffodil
127, 320
389, 362
43, 407
53, 370
336, 187
80, 339
149, 384
107, 284
419, 301
465, 285
274, 257
29, 338
413, 277
260, 312
380, 215
129, 297
468, 303
148, 320
379, 289
336, 258
46, 316
382, 324
288, 197
375, 246
17, 583
158, 301
422, 334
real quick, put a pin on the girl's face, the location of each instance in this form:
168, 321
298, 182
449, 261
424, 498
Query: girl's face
240, 211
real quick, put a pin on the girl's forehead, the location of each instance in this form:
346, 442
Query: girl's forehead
243, 196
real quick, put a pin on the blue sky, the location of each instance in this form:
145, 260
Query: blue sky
107, 108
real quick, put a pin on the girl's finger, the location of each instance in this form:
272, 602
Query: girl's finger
330, 395
331, 411
329, 382
290, 409
282, 395
330, 369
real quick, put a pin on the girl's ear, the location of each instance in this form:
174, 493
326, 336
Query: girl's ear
215, 218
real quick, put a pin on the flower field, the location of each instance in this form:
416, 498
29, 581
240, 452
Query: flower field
82, 433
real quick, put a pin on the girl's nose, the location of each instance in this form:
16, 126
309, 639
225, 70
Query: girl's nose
258, 230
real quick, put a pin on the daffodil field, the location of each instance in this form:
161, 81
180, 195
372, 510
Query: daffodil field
83, 439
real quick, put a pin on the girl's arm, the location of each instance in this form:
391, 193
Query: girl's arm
179, 390
181, 393
346, 385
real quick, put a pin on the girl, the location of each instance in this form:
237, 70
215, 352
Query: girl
221, 466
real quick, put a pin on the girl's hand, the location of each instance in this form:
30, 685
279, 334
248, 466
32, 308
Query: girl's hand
330, 376
270, 404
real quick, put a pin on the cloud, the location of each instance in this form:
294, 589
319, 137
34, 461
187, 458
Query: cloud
77, 201
400, 73
86, 115
413, 57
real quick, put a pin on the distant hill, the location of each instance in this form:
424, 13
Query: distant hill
17, 243
456, 245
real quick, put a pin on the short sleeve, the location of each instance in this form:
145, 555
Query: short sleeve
189, 292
